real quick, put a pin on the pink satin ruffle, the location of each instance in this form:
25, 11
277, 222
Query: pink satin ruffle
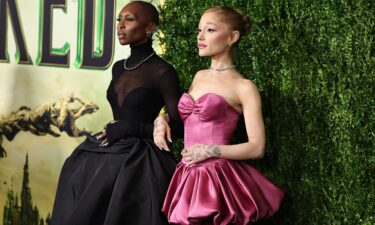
221, 192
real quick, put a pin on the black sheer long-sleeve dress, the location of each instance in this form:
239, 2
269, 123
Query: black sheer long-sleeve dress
125, 182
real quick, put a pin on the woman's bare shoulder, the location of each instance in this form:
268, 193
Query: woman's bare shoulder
246, 88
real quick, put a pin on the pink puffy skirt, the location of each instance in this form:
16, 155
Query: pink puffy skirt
220, 192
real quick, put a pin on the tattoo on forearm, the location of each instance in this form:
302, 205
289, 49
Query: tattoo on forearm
157, 122
158, 127
202, 152
212, 151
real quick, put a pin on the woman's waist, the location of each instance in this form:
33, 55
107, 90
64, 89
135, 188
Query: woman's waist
190, 143
135, 116
208, 162
206, 137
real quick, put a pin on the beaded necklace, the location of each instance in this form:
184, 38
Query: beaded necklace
139, 64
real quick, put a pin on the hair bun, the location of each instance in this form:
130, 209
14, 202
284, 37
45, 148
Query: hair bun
236, 19
246, 22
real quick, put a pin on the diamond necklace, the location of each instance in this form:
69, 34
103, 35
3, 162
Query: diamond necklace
140, 63
222, 69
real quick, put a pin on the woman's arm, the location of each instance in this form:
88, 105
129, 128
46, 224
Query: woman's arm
170, 88
162, 131
168, 125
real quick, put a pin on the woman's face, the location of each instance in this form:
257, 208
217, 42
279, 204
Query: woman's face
133, 24
214, 36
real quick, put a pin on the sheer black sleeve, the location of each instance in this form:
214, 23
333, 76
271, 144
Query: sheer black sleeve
170, 88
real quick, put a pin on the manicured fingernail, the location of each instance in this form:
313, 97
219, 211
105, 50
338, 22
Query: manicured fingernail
103, 144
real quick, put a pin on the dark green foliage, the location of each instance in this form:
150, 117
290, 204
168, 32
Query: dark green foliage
314, 63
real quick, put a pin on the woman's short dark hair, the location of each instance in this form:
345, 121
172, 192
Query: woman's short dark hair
150, 9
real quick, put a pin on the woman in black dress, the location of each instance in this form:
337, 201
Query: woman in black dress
119, 176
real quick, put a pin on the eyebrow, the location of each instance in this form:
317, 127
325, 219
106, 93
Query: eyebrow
209, 23
126, 14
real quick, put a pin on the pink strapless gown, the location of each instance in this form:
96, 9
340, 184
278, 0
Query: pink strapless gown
216, 191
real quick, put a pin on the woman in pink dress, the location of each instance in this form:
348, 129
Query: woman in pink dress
211, 184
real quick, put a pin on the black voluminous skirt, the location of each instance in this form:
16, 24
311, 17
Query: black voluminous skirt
121, 184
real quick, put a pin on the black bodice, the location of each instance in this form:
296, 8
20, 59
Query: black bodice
138, 95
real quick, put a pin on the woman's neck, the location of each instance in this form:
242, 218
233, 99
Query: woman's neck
221, 61
140, 52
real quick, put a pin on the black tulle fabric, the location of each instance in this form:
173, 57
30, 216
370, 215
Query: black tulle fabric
125, 182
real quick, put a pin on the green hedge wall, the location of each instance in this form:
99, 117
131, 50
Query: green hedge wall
314, 63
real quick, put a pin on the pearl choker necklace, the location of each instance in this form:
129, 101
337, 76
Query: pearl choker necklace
222, 69
140, 63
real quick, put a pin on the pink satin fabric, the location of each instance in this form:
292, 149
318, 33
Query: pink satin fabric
216, 191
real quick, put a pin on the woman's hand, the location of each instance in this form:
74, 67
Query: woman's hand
162, 131
103, 135
200, 152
